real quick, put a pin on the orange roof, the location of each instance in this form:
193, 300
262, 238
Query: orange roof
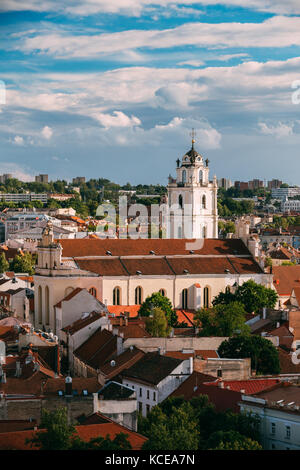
286, 278
133, 310
123, 247
185, 316
250, 386
17, 440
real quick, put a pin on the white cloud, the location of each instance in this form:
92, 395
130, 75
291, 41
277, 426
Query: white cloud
192, 63
279, 131
136, 7
47, 132
278, 31
18, 140
116, 119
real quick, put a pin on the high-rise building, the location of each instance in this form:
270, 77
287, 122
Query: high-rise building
41, 179
274, 184
78, 180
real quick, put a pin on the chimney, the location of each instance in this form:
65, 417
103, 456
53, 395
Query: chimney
191, 364
264, 313
68, 386
119, 345
18, 369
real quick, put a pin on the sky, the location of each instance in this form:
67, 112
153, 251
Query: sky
112, 89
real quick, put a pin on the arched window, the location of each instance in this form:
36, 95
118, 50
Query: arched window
93, 291
180, 201
68, 291
138, 295
117, 296
206, 297
204, 202
184, 176
184, 298
47, 305
204, 232
200, 176
40, 305
162, 292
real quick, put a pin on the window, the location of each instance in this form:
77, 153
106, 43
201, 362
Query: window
93, 291
180, 201
116, 296
162, 292
204, 232
219, 372
184, 298
147, 409
140, 407
47, 305
288, 432
154, 396
273, 429
184, 176
148, 394
200, 176
206, 297
141, 392
138, 295
204, 202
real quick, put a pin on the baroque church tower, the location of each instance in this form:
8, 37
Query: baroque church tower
194, 196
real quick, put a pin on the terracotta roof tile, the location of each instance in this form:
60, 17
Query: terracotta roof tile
288, 277
98, 349
152, 368
123, 247
17, 440
250, 386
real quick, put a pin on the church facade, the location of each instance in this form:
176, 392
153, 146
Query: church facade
189, 270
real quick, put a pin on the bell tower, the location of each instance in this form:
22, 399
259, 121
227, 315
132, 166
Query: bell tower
192, 198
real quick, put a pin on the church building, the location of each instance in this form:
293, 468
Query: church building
190, 271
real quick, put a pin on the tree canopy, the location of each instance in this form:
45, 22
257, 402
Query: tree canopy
263, 354
157, 324
222, 320
252, 295
177, 424
162, 302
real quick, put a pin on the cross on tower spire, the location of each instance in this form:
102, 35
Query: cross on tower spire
193, 136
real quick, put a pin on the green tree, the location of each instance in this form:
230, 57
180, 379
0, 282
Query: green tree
119, 442
252, 295
157, 324
23, 264
158, 300
4, 264
178, 431
264, 356
231, 440
222, 320
56, 433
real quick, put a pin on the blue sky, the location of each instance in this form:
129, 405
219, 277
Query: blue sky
112, 89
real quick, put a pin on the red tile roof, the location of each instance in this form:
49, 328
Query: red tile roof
133, 310
122, 362
98, 349
250, 386
17, 440
123, 247
185, 316
197, 384
286, 278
